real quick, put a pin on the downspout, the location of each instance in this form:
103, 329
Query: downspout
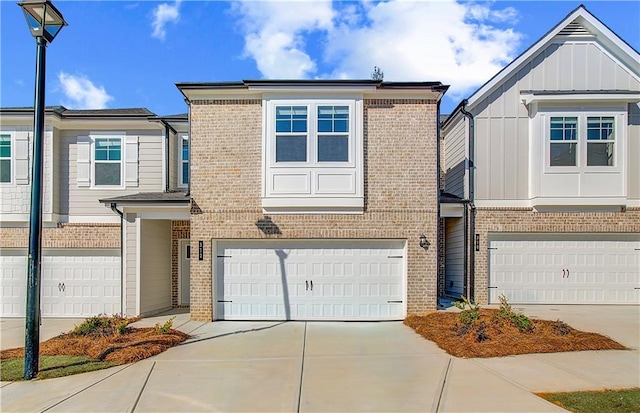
188, 194
167, 175
438, 220
471, 245
117, 211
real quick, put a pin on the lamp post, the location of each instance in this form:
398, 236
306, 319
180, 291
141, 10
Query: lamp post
45, 21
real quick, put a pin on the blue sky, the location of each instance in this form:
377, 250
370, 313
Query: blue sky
121, 54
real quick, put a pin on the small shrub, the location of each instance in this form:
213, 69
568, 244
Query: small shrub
522, 323
506, 313
560, 328
481, 333
470, 312
462, 329
102, 326
164, 328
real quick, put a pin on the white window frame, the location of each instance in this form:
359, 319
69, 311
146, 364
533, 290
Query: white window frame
183, 137
312, 186
94, 137
11, 159
582, 116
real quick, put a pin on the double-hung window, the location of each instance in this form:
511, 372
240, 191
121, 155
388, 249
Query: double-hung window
581, 141
5, 158
108, 162
600, 140
563, 135
313, 155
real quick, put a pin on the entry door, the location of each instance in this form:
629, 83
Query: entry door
310, 280
185, 266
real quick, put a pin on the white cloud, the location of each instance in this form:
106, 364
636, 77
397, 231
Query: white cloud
275, 34
81, 93
163, 14
461, 44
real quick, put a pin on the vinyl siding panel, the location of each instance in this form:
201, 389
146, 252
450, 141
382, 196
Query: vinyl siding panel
130, 266
78, 202
55, 171
633, 152
155, 265
454, 257
454, 157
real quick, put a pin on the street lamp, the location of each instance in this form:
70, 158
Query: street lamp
45, 22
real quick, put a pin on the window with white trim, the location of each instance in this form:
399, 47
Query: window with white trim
107, 167
184, 161
313, 155
581, 141
5, 159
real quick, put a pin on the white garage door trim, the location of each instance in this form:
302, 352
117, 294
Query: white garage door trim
564, 268
75, 282
324, 279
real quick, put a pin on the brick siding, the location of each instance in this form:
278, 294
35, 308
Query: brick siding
66, 236
179, 230
399, 180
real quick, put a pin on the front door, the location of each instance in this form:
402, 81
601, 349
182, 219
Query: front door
185, 255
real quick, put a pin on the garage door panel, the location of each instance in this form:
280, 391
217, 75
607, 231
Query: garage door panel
75, 283
311, 280
572, 271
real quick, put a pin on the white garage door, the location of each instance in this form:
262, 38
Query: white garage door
565, 269
75, 283
310, 280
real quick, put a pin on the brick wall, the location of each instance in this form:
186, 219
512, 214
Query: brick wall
400, 189
179, 230
66, 236
520, 220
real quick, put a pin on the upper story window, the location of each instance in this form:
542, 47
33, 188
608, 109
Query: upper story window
581, 141
313, 155
184, 161
108, 162
5, 158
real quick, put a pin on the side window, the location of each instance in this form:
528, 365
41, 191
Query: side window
563, 134
5, 158
184, 161
600, 140
108, 162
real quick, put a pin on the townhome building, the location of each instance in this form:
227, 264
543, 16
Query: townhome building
541, 175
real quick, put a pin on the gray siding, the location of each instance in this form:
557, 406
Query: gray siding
454, 257
502, 120
454, 156
78, 202
155, 266
55, 165
130, 266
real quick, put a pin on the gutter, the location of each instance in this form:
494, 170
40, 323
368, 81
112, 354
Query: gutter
470, 244
121, 214
167, 133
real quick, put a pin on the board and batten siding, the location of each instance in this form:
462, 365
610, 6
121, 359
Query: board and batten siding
633, 152
155, 265
77, 202
502, 120
454, 157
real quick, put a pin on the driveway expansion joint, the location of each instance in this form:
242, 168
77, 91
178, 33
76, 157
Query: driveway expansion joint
441, 386
146, 380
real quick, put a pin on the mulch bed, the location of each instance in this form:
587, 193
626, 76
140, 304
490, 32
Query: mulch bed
132, 345
500, 338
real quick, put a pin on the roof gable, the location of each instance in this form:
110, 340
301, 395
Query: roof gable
579, 24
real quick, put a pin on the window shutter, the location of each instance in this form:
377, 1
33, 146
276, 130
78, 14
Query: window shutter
21, 156
84, 161
131, 161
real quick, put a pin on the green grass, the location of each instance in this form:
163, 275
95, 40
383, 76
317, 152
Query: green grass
51, 366
618, 401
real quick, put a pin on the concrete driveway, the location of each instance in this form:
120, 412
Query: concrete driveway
333, 367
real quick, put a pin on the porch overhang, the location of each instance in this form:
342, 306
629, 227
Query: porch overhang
153, 205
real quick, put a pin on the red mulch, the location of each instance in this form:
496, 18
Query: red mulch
503, 339
132, 345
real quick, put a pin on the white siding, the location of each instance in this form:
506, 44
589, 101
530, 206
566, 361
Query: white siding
454, 257
502, 120
633, 152
454, 157
155, 265
130, 267
78, 202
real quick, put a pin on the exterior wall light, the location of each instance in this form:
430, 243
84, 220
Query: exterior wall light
423, 242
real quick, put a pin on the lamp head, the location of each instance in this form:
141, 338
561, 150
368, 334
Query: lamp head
43, 18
